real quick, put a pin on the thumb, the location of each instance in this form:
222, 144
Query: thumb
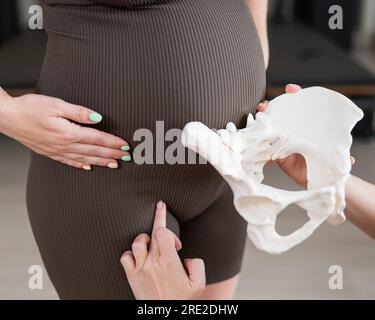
292, 88
196, 272
77, 113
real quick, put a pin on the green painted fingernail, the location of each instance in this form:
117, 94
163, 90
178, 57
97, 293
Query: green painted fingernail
125, 148
126, 158
95, 117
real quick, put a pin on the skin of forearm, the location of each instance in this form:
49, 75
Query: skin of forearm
258, 9
360, 204
4, 104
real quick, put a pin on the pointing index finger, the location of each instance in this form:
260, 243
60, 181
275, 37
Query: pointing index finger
160, 220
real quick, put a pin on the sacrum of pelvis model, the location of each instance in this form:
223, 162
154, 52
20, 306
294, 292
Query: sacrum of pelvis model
316, 123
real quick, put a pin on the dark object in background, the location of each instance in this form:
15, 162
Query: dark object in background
303, 56
298, 53
364, 127
21, 61
8, 20
314, 13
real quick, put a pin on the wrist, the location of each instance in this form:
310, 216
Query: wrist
348, 201
4, 107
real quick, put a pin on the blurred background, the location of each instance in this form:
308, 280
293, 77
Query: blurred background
304, 50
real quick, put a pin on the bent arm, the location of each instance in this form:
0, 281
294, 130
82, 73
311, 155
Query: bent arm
258, 10
50, 127
360, 204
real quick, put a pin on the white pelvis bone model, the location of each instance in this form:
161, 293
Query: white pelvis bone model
316, 123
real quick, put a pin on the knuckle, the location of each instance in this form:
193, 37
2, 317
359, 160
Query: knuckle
162, 231
127, 262
59, 149
143, 237
100, 139
111, 155
136, 246
58, 103
100, 162
115, 154
80, 114
93, 151
82, 159
138, 243
69, 137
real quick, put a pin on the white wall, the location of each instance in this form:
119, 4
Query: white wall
23, 11
366, 31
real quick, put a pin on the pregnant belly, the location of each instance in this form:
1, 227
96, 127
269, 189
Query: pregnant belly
175, 62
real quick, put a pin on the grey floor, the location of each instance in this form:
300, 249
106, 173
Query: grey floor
300, 273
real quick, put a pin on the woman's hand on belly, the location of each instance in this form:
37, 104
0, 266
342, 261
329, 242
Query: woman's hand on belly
42, 124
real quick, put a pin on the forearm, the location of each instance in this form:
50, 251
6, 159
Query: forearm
360, 204
258, 10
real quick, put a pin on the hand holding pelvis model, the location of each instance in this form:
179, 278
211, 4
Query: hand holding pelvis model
316, 123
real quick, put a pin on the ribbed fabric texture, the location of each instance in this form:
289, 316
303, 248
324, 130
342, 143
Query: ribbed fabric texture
136, 62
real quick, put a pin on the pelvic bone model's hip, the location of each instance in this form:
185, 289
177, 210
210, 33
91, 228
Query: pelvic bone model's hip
316, 123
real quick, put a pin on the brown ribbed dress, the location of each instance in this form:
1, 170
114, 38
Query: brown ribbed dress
136, 62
